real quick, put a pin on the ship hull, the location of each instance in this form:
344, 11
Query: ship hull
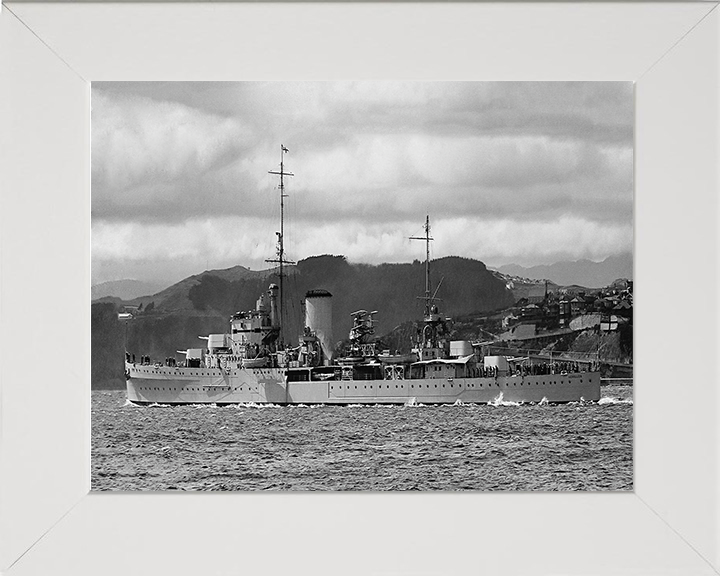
168, 385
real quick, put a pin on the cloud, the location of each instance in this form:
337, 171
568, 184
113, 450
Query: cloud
196, 245
369, 158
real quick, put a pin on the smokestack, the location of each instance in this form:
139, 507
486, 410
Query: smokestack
318, 318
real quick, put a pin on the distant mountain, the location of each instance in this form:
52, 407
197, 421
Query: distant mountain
173, 319
123, 289
392, 289
175, 297
582, 272
523, 287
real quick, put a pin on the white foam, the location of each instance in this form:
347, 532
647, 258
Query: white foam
612, 400
129, 403
413, 403
255, 405
498, 401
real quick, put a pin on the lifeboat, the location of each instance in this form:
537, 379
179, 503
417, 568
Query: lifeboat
255, 362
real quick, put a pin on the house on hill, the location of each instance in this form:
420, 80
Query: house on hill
564, 312
530, 313
623, 308
577, 305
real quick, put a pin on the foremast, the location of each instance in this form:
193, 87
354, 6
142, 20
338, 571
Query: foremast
280, 252
429, 346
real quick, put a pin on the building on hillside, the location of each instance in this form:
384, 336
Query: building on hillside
623, 308
564, 312
552, 315
531, 313
577, 305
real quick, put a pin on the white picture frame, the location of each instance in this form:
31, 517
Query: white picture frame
49, 523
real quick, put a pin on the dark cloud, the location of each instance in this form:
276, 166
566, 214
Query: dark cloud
169, 153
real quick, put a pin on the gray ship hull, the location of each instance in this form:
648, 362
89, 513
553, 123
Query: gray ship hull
169, 385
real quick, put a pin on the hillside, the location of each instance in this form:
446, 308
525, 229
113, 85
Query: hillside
171, 320
123, 289
175, 297
525, 287
581, 272
391, 289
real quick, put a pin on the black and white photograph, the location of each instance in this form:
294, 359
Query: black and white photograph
362, 286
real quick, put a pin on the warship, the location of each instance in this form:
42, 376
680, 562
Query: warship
251, 363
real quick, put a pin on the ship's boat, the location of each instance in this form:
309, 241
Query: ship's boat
252, 363
255, 362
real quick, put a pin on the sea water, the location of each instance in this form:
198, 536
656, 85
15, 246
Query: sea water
493, 447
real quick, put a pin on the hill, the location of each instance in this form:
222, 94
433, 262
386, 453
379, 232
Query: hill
581, 272
175, 297
171, 320
525, 287
123, 289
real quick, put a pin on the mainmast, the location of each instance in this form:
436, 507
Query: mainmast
428, 298
280, 260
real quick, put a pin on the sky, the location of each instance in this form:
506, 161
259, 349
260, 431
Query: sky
508, 172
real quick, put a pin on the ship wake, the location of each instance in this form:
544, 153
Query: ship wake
498, 401
612, 400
